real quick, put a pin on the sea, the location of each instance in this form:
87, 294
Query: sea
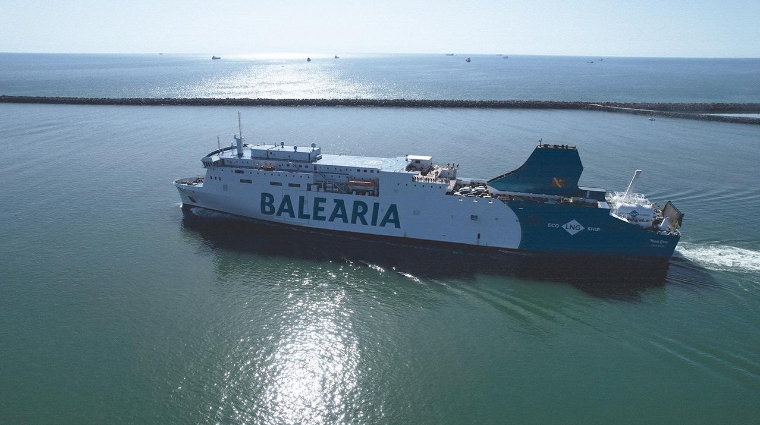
118, 307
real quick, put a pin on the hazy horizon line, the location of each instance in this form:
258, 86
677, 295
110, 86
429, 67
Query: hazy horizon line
294, 55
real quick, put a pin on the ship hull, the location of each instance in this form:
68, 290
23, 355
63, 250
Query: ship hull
601, 274
568, 229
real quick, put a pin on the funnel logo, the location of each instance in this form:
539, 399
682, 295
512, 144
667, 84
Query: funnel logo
573, 227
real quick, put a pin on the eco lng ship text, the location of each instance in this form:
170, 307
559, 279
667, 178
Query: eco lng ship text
538, 207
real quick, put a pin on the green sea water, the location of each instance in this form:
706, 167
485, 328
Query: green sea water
115, 307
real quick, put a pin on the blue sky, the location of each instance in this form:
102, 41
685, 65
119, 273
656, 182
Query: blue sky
648, 28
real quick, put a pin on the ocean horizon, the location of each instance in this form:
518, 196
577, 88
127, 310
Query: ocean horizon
385, 76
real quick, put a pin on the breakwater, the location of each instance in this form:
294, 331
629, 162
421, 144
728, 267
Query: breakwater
700, 111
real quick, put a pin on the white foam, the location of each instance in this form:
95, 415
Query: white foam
216, 215
201, 212
375, 267
410, 276
721, 257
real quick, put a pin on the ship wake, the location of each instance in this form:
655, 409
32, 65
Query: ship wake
721, 257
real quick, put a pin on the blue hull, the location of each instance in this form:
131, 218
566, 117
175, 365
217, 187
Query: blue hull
565, 228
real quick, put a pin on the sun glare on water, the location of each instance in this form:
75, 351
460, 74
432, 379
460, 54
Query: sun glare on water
314, 367
303, 370
284, 77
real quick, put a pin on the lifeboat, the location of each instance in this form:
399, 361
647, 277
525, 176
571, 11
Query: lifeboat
361, 184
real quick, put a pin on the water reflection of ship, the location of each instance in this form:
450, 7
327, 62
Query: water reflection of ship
219, 231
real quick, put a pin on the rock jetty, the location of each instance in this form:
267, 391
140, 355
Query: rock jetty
699, 111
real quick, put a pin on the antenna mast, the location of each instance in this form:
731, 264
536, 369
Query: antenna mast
239, 137
630, 185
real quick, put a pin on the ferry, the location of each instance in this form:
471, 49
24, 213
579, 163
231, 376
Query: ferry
537, 208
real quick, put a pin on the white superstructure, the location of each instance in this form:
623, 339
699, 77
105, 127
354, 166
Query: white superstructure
402, 197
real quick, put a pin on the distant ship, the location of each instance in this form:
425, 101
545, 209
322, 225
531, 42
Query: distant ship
216, 57
308, 59
536, 208
467, 60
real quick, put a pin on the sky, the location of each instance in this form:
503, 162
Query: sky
643, 28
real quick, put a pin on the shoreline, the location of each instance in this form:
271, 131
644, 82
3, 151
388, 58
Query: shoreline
696, 111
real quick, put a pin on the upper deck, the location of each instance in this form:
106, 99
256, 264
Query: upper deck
392, 165
276, 155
